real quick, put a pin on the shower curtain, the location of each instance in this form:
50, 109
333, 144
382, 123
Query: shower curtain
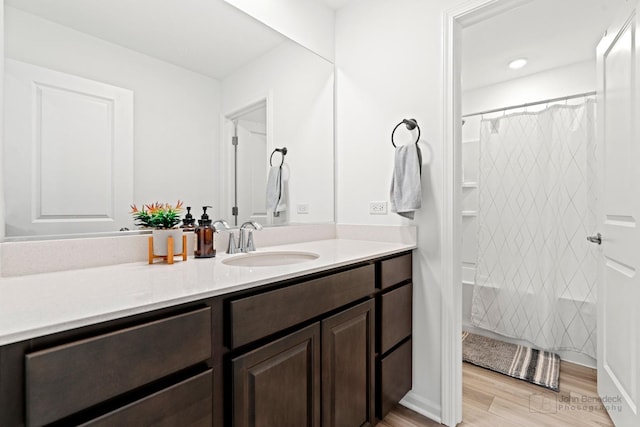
536, 273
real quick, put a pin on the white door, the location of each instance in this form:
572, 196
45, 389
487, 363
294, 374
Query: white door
252, 171
71, 144
619, 289
249, 162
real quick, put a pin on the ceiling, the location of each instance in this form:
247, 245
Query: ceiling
549, 33
335, 4
209, 37
213, 38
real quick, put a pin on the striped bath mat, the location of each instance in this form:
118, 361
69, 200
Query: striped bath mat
525, 363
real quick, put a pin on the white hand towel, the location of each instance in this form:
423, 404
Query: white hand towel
406, 191
276, 190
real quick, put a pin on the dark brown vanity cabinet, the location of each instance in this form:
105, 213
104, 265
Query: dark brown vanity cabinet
319, 375
278, 384
329, 349
348, 367
156, 370
394, 327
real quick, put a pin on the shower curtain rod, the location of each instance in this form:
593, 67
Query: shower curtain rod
529, 104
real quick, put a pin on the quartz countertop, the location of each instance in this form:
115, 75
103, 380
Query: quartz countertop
42, 304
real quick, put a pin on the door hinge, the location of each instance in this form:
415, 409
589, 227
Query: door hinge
234, 211
234, 140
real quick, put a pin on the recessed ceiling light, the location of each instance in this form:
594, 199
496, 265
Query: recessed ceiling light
517, 63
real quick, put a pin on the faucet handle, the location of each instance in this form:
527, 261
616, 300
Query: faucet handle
221, 225
256, 225
232, 248
250, 245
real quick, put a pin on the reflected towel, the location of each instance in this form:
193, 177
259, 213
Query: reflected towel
406, 191
276, 190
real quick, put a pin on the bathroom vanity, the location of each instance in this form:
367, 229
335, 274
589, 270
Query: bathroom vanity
324, 342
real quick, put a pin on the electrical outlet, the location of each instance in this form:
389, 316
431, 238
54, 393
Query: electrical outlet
377, 208
302, 208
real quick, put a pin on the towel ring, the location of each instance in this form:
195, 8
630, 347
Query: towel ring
411, 124
282, 150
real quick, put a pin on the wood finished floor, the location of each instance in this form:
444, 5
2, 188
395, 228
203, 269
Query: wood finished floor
495, 400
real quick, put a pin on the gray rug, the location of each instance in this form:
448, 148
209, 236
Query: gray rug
525, 363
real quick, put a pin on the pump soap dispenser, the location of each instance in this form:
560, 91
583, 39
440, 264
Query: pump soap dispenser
188, 223
204, 236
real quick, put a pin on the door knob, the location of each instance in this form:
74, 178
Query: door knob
595, 239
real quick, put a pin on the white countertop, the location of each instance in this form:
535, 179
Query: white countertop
41, 304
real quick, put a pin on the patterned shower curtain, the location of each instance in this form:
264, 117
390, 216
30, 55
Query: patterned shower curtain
536, 273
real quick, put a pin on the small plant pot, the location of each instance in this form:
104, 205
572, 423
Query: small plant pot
161, 239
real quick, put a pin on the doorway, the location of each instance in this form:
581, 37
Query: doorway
246, 141
456, 22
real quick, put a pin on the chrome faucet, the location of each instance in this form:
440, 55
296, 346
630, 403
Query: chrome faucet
247, 245
220, 225
232, 248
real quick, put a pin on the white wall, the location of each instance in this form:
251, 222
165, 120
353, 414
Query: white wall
388, 59
301, 105
175, 110
308, 22
568, 80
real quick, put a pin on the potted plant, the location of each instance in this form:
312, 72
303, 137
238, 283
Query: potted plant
163, 219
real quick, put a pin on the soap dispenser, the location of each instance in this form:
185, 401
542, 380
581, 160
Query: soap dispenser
188, 223
204, 236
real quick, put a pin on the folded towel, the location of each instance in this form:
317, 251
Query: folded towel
406, 191
276, 190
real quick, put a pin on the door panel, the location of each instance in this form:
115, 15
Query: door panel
619, 289
347, 367
279, 384
71, 141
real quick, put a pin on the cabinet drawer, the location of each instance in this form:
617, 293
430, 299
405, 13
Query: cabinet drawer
395, 270
395, 317
394, 379
187, 404
260, 315
65, 379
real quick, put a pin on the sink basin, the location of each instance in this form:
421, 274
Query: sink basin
270, 259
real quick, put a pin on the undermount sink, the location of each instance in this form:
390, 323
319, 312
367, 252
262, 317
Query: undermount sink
270, 259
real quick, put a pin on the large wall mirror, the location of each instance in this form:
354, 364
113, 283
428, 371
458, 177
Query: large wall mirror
114, 102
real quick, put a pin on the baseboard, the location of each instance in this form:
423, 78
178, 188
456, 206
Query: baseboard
422, 405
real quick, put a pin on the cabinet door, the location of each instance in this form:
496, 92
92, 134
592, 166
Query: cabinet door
347, 367
279, 384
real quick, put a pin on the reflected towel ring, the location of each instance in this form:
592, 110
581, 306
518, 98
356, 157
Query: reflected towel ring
283, 151
411, 124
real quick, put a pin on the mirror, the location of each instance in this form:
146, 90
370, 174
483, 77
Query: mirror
113, 102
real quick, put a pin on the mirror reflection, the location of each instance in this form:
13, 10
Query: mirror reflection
113, 102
